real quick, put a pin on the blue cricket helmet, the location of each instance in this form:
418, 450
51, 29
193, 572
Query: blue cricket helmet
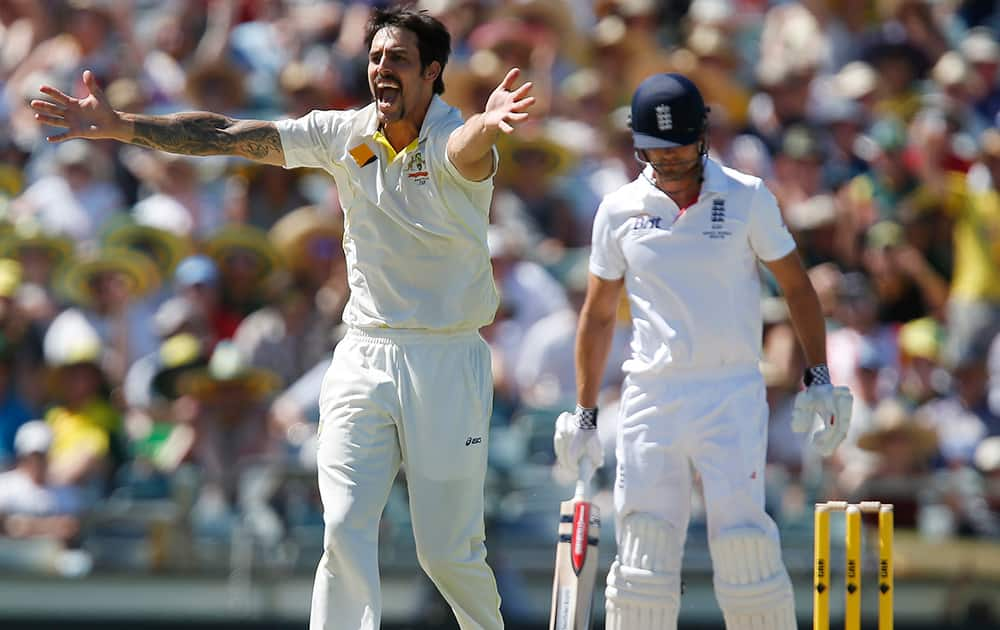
667, 111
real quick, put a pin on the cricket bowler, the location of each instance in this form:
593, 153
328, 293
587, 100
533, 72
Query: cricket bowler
411, 382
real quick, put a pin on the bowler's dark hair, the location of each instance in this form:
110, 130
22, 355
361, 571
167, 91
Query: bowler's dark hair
433, 39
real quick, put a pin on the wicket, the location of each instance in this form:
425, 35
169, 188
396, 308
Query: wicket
852, 567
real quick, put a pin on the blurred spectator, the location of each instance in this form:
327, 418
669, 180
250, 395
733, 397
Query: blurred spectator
77, 198
857, 312
877, 194
196, 280
980, 48
14, 409
142, 393
179, 203
86, 428
228, 415
160, 434
987, 461
534, 162
974, 206
814, 224
545, 372
40, 255
30, 505
106, 287
527, 290
245, 260
907, 285
164, 248
904, 447
296, 331
921, 377
963, 418
260, 195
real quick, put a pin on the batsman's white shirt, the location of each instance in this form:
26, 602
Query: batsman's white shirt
691, 276
414, 228
410, 384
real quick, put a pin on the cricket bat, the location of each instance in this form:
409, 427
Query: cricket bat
576, 558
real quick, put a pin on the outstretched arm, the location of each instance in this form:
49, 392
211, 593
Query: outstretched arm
188, 133
470, 147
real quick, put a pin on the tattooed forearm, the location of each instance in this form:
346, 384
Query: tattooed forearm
203, 133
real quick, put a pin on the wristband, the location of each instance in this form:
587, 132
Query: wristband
817, 375
586, 417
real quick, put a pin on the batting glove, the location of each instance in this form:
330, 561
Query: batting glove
833, 406
576, 438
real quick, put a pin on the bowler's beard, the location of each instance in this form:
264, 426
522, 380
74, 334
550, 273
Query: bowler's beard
396, 113
387, 118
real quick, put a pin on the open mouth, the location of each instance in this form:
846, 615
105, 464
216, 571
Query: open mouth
387, 94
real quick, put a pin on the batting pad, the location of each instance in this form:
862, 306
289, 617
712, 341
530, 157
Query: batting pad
644, 583
751, 583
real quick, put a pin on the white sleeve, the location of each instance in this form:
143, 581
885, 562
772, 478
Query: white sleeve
769, 236
312, 140
439, 156
606, 258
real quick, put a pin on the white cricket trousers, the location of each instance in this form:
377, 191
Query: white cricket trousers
422, 399
714, 421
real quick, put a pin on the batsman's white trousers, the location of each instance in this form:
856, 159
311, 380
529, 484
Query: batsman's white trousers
422, 399
714, 420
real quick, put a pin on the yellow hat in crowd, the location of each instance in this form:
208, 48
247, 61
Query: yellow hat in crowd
228, 368
28, 234
163, 247
10, 277
74, 281
239, 238
892, 421
298, 234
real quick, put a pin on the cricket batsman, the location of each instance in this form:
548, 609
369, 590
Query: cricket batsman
411, 382
684, 239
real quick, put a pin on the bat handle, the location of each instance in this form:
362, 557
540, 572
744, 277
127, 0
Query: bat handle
585, 473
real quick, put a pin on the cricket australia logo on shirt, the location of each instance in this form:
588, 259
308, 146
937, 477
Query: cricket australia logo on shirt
664, 119
646, 222
718, 218
416, 169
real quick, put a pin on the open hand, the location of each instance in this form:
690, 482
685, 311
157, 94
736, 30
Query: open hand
89, 117
507, 105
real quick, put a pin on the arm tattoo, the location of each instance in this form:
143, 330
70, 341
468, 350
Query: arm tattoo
203, 133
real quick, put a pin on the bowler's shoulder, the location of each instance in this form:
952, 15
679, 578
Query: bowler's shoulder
442, 119
334, 119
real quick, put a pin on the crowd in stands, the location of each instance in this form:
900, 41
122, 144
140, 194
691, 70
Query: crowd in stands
165, 321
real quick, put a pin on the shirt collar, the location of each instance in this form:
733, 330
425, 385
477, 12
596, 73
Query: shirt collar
437, 109
715, 179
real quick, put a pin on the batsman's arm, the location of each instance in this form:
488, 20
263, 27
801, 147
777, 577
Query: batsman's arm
593, 337
188, 133
803, 306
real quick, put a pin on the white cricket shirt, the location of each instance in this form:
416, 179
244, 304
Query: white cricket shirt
415, 228
691, 276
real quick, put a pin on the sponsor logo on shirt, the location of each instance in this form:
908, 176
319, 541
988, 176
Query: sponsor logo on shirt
718, 230
416, 169
646, 222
